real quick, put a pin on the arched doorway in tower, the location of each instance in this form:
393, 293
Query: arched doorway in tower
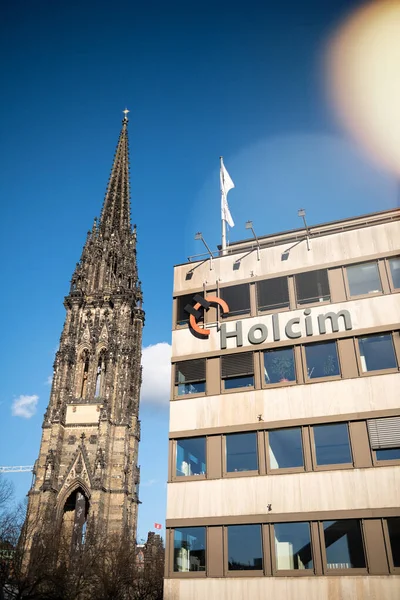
74, 519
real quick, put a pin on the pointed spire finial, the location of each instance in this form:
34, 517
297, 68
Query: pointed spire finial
126, 111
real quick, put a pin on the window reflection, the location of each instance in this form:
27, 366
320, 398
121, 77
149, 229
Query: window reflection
322, 360
189, 549
377, 353
364, 279
343, 544
191, 456
285, 448
293, 546
332, 444
245, 548
279, 365
394, 264
241, 452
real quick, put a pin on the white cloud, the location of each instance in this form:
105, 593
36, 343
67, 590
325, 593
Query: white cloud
149, 483
49, 380
24, 406
156, 362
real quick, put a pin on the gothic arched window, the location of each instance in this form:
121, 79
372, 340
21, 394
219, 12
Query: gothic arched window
84, 374
100, 375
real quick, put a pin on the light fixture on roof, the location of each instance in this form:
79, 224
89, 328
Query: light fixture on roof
249, 225
199, 236
302, 213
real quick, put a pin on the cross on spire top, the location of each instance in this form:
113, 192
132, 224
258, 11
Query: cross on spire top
126, 111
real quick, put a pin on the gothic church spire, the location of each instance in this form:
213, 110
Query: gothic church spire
115, 216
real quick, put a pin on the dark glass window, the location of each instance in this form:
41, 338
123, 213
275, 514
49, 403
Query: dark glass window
312, 286
293, 546
272, 294
377, 352
364, 279
388, 454
189, 549
285, 448
191, 456
182, 317
190, 377
332, 444
279, 365
343, 544
245, 548
237, 298
322, 360
393, 524
394, 264
237, 370
241, 452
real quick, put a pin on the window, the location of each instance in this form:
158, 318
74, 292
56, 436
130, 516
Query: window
332, 444
272, 294
322, 360
237, 298
364, 279
343, 544
100, 376
394, 264
182, 317
241, 452
190, 377
388, 454
189, 549
377, 353
393, 525
312, 286
279, 366
245, 548
85, 373
384, 437
285, 448
237, 370
191, 456
293, 546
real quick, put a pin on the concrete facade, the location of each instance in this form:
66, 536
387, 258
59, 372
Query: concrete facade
222, 386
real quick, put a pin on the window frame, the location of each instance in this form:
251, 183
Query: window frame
292, 572
362, 373
234, 474
175, 395
241, 315
285, 470
271, 311
178, 478
382, 463
393, 289
242, 388
297, 368
333, 466
389, 552
172, 574
347, 284
303, 305
307, 379
244, 573
350, 571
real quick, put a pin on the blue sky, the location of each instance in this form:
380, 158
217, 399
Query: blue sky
245, 80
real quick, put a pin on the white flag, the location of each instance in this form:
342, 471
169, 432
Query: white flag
226, 185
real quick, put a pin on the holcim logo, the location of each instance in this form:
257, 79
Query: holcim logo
195, 312
258, 333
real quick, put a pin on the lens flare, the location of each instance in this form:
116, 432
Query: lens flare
364, 79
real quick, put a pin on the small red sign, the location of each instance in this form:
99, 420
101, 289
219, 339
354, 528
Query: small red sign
157, 526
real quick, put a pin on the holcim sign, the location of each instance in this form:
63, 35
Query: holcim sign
259, 333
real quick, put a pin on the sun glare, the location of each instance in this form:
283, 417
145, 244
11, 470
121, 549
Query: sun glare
364, 79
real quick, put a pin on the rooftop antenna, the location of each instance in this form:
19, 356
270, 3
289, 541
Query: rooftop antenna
249, 225
199, 236
302, 213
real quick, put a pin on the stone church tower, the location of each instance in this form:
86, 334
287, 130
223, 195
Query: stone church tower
87, 467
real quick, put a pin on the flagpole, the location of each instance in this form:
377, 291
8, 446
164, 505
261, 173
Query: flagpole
223, 222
